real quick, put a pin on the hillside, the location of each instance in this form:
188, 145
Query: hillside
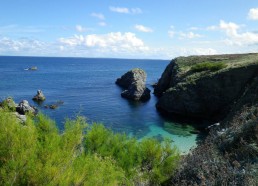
221, 88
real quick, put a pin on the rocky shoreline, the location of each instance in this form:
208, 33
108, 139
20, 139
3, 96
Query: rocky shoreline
24, 107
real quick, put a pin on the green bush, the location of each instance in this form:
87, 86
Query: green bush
36, 153
211, 66
154, 161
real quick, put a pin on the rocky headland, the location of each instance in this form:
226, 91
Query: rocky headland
205, 87
222, 89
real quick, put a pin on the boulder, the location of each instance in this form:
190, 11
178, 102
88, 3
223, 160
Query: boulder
24, 108
39, 96
20, 117
134, 83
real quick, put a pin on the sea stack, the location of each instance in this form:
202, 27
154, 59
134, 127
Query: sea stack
39, 96
134, 83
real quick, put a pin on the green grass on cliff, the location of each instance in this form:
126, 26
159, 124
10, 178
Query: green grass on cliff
36, 153
211, 66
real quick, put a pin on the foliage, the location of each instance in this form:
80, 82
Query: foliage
36, 153
211, 66
154, 161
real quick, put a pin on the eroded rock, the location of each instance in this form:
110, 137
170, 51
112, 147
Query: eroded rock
39, 96
134, 83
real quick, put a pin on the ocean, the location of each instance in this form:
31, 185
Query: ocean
87, 87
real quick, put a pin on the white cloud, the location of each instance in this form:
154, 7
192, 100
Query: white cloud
188, 35
182, 35
80, 28
194, 28
125, 10
171, 33
102, 24
119, 10
98, 15
111, 43
253, 14
7, 29
213, 27
235, 36
136, 11
230, 28
23, 46
142, 28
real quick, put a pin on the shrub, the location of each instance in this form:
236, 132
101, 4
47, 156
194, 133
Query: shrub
211, 66
154, 161
36, 153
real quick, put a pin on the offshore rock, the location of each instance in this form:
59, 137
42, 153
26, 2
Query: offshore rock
134, 83
137, 91
39, 96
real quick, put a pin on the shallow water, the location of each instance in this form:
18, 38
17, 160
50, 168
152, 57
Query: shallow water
87, 87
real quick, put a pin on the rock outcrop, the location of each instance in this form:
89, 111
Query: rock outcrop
134, 83
205, 87
229, 154
39, 96
24, 107
18, 110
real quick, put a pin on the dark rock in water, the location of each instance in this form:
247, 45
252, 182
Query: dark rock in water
24, 108
54, 105
130, 77
137, 91
33, 68
134, 81
205, 87
39, 97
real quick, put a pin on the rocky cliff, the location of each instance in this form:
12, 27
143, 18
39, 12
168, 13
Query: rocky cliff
205, 87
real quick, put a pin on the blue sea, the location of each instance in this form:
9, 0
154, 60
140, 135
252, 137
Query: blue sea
87, 87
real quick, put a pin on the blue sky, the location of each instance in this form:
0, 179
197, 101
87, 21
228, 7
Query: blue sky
128, 28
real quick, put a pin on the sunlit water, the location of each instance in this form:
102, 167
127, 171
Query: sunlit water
87, 87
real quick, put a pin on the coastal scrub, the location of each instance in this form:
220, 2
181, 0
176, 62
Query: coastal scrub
36, 153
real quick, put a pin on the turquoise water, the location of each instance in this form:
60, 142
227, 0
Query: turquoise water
87, 86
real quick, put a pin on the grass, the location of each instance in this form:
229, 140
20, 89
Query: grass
36, 153
208, 66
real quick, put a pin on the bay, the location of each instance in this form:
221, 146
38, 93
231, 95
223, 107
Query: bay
87, 87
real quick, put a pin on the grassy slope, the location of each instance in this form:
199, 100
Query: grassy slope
185, 65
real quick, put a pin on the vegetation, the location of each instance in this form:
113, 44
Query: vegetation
35, 153
211, 66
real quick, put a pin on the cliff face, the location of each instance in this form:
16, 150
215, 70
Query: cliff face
229, 154
205, 87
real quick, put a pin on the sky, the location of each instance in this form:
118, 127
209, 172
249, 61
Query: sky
144, 29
